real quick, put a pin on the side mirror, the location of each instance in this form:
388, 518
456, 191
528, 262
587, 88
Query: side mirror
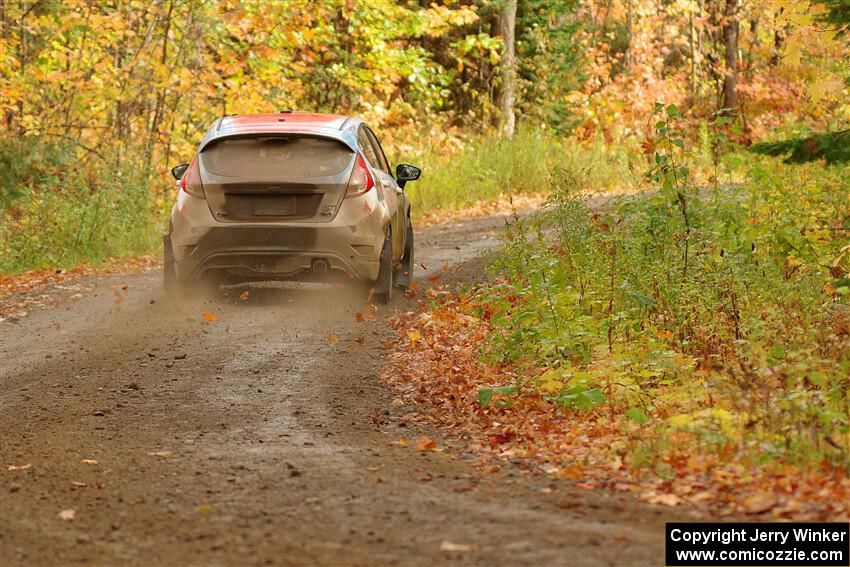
178, 171
405, 173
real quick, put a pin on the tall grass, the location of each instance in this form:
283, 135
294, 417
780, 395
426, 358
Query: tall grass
489, 167
58, 210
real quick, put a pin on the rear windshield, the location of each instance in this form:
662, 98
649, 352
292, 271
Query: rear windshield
289, 157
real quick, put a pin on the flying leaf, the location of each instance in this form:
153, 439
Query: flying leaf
425, 443
410, 293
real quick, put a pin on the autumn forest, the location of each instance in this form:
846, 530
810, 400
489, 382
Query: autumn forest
668, 315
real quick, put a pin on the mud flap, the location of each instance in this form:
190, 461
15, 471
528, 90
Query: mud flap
404, 272
382, 289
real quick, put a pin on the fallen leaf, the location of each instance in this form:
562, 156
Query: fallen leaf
449, 546
67, 515
331, 338
244, 295
378, 417
435, 278
19, 467
88, 461
161, 453
573, 472
701, 497
425, 444
665, 499
759, 502
78, 484
446, 268
403, 442
209, 316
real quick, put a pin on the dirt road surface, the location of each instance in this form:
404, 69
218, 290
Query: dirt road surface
256, 439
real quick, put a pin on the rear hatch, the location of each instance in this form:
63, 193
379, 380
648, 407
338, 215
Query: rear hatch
275, 177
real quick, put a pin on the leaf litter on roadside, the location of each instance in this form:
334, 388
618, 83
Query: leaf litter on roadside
434, 365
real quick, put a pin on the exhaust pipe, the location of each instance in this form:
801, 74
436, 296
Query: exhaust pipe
319, 265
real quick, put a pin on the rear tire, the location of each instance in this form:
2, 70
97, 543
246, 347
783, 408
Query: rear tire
382, 289
404, 273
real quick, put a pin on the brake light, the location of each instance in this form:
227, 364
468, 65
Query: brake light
361, 180
191, 180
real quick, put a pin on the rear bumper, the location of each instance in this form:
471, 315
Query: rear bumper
350, 244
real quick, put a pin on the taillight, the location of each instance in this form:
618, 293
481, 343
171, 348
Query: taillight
191, 180
361, 180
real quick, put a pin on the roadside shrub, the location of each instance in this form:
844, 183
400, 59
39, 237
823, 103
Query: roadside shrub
61, 209
718, 314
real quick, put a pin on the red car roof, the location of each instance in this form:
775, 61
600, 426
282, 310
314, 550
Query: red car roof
323, 125
333, 121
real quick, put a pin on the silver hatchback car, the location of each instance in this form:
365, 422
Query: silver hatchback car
290, 196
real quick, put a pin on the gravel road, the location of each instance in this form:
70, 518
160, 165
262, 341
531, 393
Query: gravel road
259, 439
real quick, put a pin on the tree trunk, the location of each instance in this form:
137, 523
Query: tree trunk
507, 100
692, 40
730, 80
627, 54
